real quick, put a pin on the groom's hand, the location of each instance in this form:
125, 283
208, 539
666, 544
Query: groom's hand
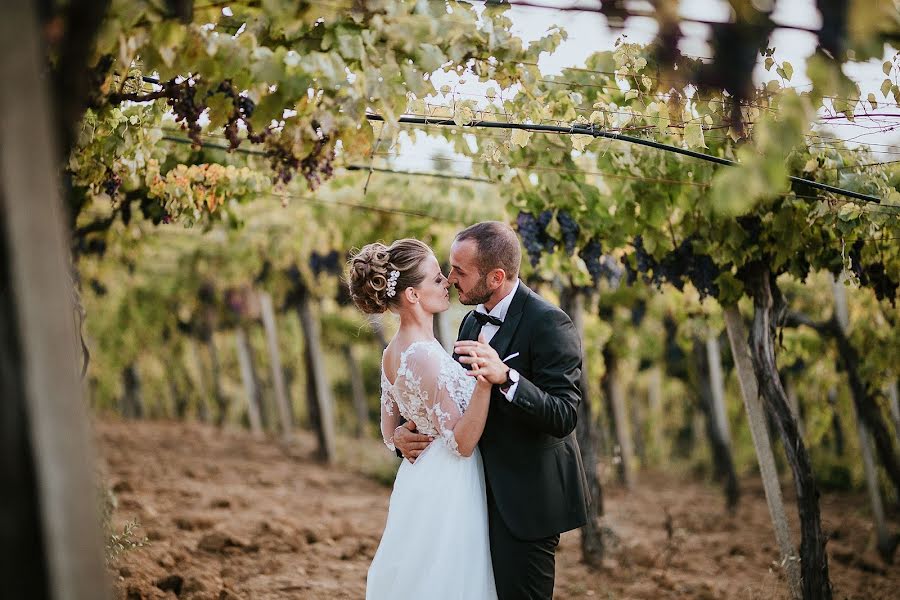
409, 443
484, 360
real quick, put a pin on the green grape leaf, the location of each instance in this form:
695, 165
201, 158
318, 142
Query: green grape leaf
693, 135
520, 138
580, 142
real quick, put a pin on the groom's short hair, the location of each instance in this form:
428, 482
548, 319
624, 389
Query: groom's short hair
498, 247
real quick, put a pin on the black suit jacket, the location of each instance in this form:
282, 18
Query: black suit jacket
531, 458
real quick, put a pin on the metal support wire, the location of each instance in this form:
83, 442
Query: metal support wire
590, 130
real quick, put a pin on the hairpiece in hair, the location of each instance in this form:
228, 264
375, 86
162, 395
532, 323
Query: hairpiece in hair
392, 283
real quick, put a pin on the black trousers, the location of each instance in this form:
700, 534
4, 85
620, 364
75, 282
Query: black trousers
523, 570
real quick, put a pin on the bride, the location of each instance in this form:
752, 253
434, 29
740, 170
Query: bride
435, 542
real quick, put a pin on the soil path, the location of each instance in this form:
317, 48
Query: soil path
231, 517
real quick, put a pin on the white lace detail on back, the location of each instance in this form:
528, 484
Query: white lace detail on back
432, 390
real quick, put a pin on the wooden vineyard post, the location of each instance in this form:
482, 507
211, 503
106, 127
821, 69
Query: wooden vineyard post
251, 390
51, 535
612, 387
704, 358
357, 390
284, 409
717, 384
202, 384
740, 350
884, 538
592, 546
654, 401
316, 364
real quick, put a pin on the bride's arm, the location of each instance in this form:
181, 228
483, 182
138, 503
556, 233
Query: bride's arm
468, 428
444, 391
390, 419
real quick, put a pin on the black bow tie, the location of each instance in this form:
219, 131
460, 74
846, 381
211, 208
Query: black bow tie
483, 319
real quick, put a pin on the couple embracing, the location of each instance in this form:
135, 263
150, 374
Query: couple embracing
492, 471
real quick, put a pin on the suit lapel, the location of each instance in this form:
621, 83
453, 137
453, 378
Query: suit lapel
465, 332
501, 340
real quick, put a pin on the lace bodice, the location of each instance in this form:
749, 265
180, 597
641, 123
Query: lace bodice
432, 390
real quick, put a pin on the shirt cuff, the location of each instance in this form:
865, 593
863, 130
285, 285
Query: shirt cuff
511, 392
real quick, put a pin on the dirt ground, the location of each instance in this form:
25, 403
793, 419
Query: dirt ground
229, 517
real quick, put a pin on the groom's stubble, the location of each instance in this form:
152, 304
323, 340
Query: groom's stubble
479, 294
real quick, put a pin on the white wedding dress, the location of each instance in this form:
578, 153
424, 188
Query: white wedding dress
435, 543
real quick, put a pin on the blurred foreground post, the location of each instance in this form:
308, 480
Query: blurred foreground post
49, 507
894, 398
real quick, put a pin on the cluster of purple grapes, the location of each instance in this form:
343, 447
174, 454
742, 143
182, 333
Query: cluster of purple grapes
329, 262
243, 110
111, 184
599, 265
873, 276
533, 231
677, 267
569, 229
318, 166
181, 98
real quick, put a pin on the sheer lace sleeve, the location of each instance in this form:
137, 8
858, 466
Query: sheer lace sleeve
436, 390
390, 413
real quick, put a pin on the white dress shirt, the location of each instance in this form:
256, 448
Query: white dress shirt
489, 330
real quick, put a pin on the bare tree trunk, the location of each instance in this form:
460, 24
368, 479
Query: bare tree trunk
358, 391
794, 404
251, 388
592, 545
50, 523
865, 402
612, 387
813, 559
316, 370
885, 542
740, 350
720, 449
284, 409
131, 404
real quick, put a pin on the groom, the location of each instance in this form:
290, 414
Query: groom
535, 480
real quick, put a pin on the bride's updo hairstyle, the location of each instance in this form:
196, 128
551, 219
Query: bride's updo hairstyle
371, 268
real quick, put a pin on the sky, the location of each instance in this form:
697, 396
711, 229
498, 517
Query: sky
589, 33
